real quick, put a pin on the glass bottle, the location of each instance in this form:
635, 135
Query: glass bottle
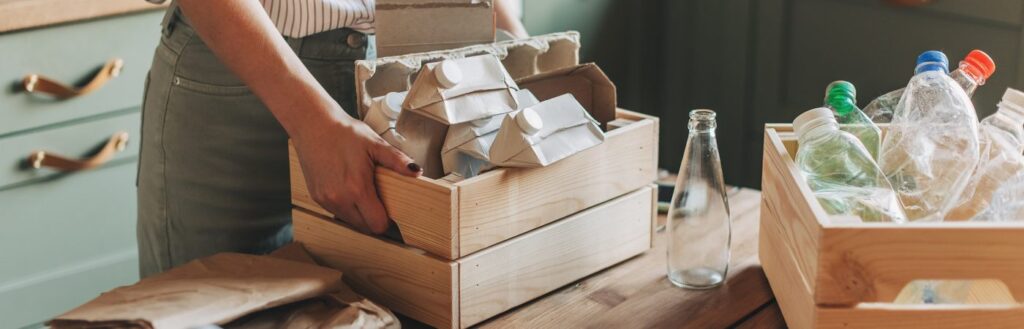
699, 224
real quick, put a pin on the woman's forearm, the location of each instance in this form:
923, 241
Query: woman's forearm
244, 38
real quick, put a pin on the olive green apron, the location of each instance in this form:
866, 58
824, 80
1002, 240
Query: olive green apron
213, 170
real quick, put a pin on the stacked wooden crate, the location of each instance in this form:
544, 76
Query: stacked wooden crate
473, 248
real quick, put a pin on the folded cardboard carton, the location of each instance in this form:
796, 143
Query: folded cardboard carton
414, 26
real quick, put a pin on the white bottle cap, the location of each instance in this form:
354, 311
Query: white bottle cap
529, 121
480, 122
391, 105
812, 119
1013, 103
448, 74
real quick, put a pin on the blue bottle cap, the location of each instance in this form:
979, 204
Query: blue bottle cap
932, 60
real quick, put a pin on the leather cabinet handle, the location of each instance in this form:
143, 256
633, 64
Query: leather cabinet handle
115, 144
34, 83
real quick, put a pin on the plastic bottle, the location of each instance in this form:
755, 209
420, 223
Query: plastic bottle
976, 67
1007, 203
1002, 140
841, 97
699, 225
932, 142
841, 172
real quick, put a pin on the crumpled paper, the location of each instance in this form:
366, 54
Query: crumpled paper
227, 286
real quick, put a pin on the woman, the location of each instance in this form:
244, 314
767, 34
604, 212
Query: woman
230, 83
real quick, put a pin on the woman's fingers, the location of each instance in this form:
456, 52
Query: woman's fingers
349, 214
372, 210
390, 157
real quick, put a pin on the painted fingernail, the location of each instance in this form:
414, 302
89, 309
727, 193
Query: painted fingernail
414, 167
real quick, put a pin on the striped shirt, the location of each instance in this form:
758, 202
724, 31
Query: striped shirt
299, 18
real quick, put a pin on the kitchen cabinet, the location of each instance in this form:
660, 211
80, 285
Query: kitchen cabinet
69, 235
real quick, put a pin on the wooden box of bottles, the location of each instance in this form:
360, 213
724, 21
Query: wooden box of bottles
459, 293
836, 272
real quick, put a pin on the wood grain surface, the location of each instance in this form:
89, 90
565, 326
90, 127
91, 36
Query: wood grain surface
637, 294
24, 14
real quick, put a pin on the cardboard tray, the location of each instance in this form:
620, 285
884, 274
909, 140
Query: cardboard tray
835, 272
461, 293
521, 58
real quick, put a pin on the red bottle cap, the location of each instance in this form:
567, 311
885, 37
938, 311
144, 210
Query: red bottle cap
979, 65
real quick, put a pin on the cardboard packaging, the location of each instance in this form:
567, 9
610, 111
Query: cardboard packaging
461, 90
225, 287
542, 134
415, 26
466, 150
383, 114
521, 58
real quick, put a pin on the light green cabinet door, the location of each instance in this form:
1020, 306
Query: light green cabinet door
67, 237
71, 54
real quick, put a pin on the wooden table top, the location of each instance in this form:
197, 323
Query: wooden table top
636, 293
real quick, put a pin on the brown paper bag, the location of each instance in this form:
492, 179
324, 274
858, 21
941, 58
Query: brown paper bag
215, 289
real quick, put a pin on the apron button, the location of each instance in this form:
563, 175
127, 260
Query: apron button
356, 40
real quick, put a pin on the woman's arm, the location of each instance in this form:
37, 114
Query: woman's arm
508, 12
338, 153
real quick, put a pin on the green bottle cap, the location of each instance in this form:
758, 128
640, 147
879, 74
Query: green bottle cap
841, 96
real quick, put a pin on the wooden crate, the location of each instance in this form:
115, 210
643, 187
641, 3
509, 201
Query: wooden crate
460, 293
454, 219
835, 272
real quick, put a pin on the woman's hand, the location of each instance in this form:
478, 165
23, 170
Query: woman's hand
338, 153
339, 160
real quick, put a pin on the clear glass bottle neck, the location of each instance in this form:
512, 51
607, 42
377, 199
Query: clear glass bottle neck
702, 126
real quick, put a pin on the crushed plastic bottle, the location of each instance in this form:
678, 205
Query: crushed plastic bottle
976, 67
841, 98
932, 141
840, 171
1002, 141
1007, 203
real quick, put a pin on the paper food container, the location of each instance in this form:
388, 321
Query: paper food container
566, 129
483, 89
471, 141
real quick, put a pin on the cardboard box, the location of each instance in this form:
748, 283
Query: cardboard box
461, 293
416, 26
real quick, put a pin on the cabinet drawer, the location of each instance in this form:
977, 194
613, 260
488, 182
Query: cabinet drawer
82, 139
72, 54
65, 241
